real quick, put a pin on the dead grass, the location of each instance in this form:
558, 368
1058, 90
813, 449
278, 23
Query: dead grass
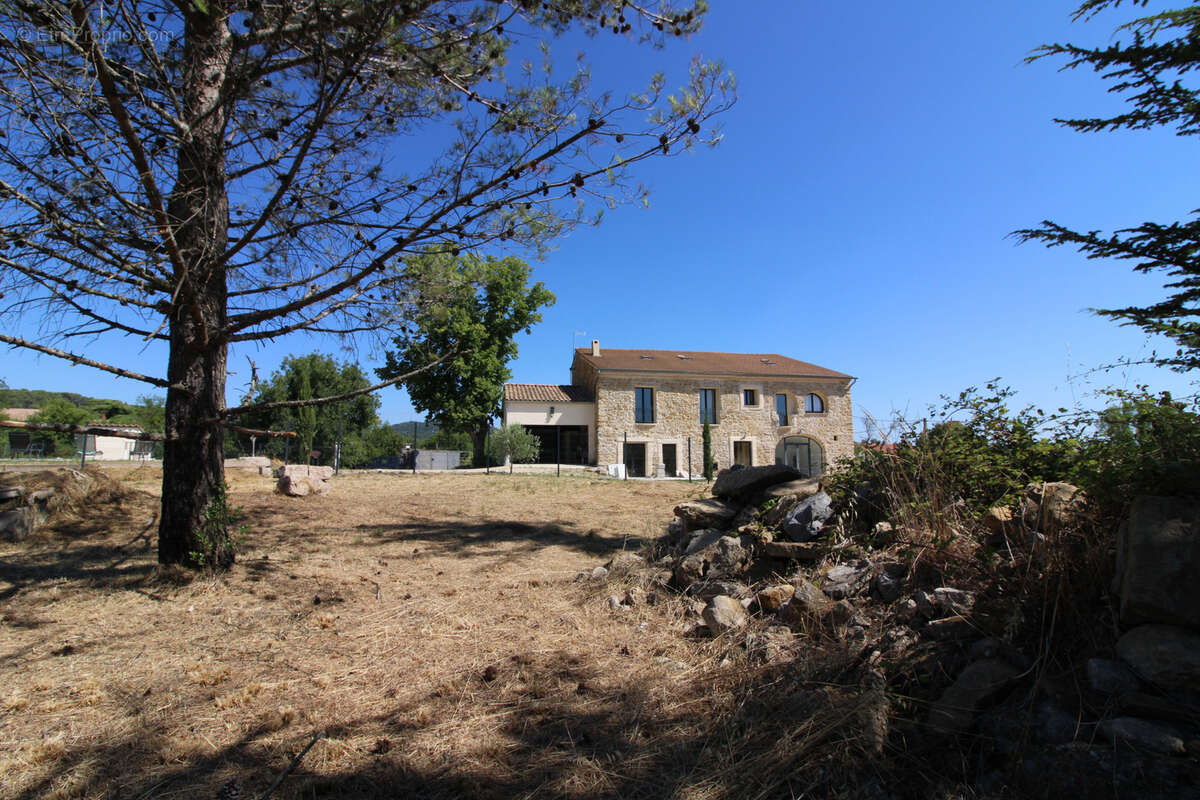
428, 625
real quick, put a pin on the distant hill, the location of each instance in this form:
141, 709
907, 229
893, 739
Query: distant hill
38, 398
424, 429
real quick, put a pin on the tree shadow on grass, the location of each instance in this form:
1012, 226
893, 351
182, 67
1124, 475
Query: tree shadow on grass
479, 538
540, 725
84, 551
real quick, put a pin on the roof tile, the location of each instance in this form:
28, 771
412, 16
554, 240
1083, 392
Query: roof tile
545, 393
704, 362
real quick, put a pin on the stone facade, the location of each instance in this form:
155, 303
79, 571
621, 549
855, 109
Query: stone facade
609, 380
677, 416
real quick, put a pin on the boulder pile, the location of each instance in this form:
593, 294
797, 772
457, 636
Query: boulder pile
756, 566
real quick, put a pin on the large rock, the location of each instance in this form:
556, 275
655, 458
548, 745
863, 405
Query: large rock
302, 486
772, 598
807, 606
1110, 677
944, 601
954, 712
1158, 562
624, 563
304, 470
711, 557
888, 583
1050, 507
847, 580
17, 524
723, 615
802, 488
706, 590
1152, 736
742, 484
708, 513
804, 522
1166, 656
300, 480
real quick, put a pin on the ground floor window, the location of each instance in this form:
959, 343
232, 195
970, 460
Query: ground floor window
669, 460
801, 453
741, 454
561, 444
635, 459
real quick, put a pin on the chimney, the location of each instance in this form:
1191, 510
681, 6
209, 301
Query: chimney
596, 348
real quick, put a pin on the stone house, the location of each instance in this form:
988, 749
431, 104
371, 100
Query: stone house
645, 409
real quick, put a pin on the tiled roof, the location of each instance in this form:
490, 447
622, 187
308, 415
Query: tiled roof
691, 361
545, 393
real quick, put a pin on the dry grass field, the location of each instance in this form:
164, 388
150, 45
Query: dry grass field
429, 627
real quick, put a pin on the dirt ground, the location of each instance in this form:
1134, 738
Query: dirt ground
429, 627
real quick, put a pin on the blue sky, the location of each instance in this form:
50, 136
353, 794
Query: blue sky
856, 214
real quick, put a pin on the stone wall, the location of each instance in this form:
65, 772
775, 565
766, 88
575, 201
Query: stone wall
677, 417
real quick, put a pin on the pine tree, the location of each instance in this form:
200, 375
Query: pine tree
1148, 71
222, 173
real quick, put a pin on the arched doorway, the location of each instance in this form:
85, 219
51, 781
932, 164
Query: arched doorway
802, 453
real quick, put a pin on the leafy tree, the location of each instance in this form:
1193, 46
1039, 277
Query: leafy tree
482, 304
63, 412
450, 440
1148, 71
227, 172
706, 446
381, 440
301, 378
1142, 444
150, 413
512, 443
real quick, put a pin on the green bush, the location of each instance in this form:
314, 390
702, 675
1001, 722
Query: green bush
512, 442
1142, 444
976, 451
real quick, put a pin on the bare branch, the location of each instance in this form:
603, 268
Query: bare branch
320, 401
88, 362
97, 430
257, 432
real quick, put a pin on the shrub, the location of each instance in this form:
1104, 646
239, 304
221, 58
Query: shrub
512, 442
1142, 444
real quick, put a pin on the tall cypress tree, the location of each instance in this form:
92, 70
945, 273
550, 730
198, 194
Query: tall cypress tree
706, 439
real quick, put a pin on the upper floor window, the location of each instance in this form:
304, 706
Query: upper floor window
708, 406
643, 405
781, 408
749, 397
813, 404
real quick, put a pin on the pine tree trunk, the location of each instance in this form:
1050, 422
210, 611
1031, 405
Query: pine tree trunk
193, 529
194, 460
